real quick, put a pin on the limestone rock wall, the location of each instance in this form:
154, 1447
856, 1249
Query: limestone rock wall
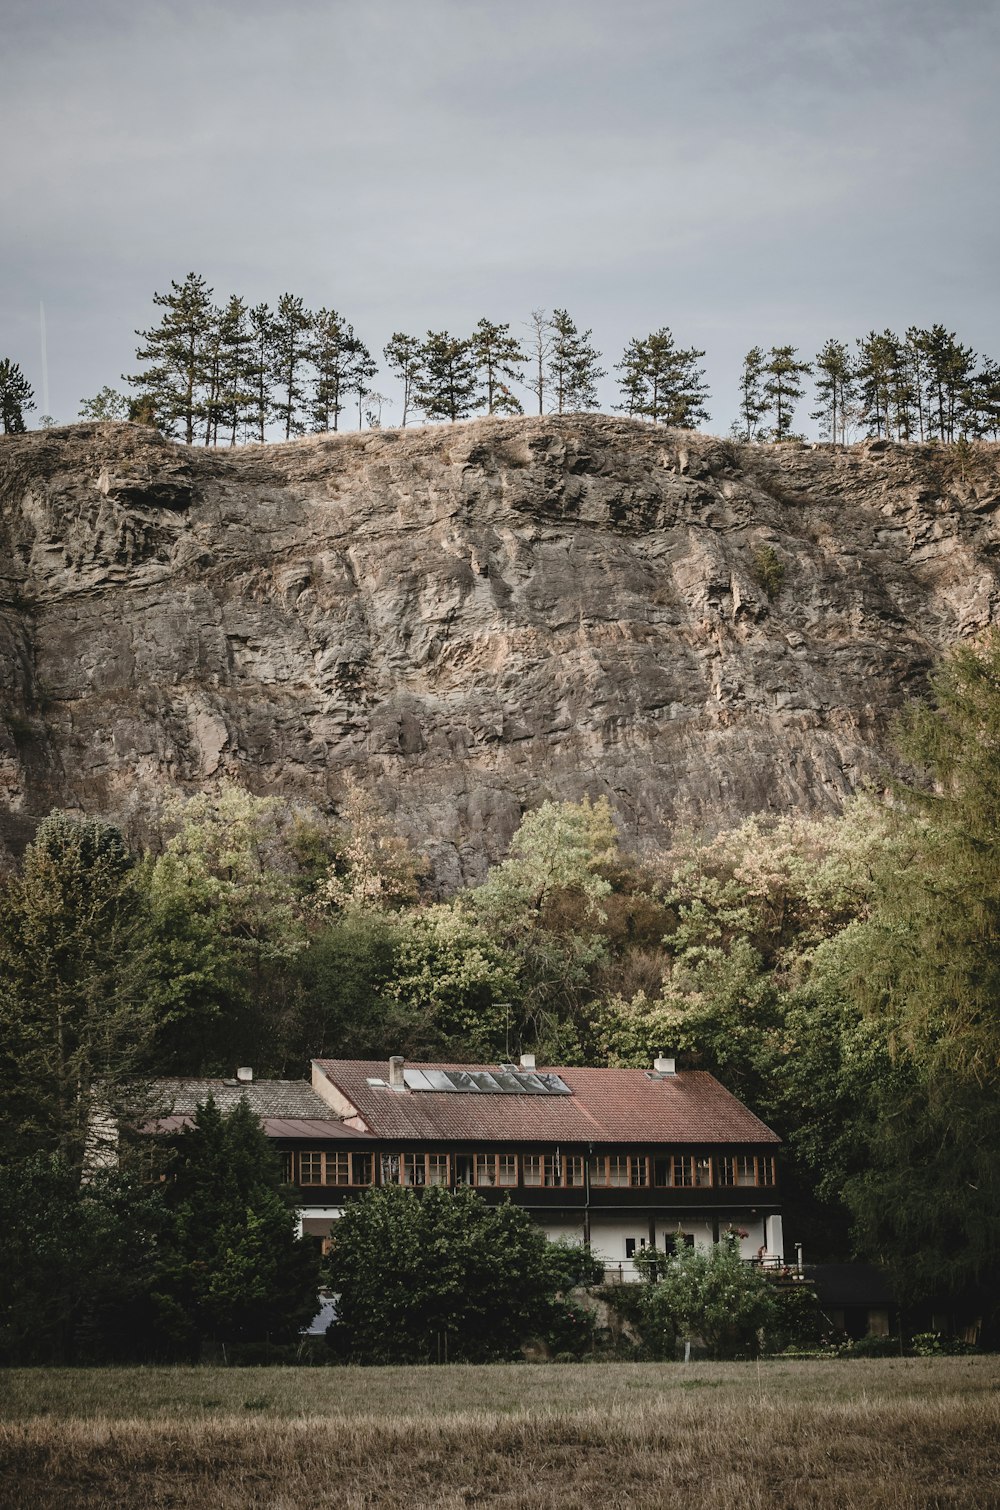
474, 617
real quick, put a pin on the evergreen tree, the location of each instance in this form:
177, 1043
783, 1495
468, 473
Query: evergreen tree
108, 404
232, 1269
448, 385
362, 369
926, 972
235, 399
498, 356
573, 370
834, 388
949, 367
16, 395
404, 356
783, 388
754, 405
331, 354
632, 382
877, 358
257, 371
289, 353
986, 399
75, 1018
663, 382
176, 350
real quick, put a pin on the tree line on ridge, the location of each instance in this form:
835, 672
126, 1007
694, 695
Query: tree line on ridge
222, 374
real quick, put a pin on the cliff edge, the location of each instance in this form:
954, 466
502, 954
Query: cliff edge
473, 617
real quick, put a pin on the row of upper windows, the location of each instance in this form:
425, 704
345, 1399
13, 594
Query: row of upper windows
508, 1171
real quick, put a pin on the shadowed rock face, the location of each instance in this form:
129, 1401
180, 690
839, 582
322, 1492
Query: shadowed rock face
474, 617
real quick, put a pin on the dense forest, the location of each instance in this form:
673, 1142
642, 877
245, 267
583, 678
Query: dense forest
225, 373
840, 975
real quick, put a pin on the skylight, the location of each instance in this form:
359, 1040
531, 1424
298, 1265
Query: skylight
505, 1081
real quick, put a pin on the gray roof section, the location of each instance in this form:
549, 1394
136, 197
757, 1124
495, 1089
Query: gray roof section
294, 1100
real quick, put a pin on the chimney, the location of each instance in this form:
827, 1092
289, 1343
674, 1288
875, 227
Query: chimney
665, 1065
396, 1081
527, 1061
244, 1074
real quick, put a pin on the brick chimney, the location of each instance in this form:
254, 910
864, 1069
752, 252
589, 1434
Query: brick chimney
244, 1074
396, 1081
527, 1061
665, 1064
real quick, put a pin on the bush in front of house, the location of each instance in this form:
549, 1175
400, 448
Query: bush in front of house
446, 1277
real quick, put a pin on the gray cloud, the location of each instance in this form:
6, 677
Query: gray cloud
742, 170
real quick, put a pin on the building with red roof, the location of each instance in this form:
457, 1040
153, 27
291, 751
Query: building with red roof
623, 1159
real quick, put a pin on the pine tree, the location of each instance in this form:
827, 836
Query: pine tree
404, 356
257, 371
289, 353
753, 404
632, 382
878, 360
663, 382
16, 396
573, 370
331, 355
783, 387
235, 400
949, 368
362, 369
75, 1017
834, 388
986, 399
448, 386
176, 350
498, 356
108, 404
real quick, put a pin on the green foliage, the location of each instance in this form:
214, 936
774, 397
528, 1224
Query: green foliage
231, 1268
16, 396
753, 402
925, 972
76, 1263
228, 922
75, 1015
769, 568
108, 404
783, 388
662, 382
573, 366
499, 357
447, 383
443, 1276
711, 1297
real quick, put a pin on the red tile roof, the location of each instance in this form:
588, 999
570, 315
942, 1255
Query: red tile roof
607, 1106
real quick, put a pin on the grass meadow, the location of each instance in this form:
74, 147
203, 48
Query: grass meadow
858, 1433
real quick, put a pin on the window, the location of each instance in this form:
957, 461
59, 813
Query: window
320, 1168
619, 1171
683, 1171
496, 1170
437, 1169
507, 1169
310, 1169
573, 1170
424, 1169
745, 1169
531, 1164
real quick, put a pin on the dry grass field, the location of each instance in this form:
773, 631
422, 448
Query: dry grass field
901, 1433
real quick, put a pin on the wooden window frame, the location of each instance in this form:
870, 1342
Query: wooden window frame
637, 1171
326, 1158
411, 1162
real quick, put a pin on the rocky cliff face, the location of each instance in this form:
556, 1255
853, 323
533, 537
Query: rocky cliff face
474, 617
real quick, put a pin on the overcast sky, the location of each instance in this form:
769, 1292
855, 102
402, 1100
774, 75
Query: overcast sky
744, 171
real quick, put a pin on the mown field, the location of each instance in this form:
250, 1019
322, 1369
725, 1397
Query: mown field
907, 1432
